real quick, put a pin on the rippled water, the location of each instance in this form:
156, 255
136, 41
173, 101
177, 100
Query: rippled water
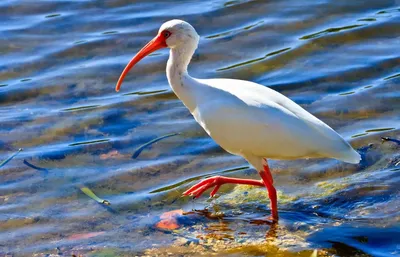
58, 66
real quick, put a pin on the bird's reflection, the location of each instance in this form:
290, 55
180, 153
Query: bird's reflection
270, 235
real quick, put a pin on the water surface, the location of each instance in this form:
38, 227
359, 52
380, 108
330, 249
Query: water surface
58, 66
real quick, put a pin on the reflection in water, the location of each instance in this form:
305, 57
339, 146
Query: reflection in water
59, 64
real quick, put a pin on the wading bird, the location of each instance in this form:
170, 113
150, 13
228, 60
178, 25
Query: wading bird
244, 118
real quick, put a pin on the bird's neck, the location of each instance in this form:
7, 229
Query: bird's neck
178, 77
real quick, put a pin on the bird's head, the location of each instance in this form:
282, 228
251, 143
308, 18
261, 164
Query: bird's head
172, 34
178, 32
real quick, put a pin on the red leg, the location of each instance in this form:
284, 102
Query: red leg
269, 184
216, 182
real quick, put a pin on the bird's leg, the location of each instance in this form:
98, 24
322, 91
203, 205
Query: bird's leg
269, 184
197, 190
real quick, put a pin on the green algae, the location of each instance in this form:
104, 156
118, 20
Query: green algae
328, 188
107, 252
87, 191
246, 193
271, 250
278, 241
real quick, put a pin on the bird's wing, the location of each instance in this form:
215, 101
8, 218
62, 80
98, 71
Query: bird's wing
246, 117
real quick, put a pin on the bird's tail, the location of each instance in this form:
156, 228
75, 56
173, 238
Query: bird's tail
350, 156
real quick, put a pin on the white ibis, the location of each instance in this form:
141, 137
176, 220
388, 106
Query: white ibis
244, 118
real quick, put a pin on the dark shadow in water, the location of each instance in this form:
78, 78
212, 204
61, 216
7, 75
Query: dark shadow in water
347, 93
226, 33
392, 77
142, 147
147, 92
378, 130
80, 108
44, 171
330, 30
384, 139
53, 15
353, 241
367, 19
344, 250
371, 131
90, 142
110, 32
254, 60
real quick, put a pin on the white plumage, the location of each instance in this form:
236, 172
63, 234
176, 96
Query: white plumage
248, 119
243, 117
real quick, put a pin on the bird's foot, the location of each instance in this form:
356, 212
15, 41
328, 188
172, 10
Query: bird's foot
269, 220
197, 190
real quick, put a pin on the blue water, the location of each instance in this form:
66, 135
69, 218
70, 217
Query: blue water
60, 61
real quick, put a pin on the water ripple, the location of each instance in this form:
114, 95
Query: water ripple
59, 63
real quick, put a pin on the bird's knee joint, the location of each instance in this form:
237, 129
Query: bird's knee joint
216, 179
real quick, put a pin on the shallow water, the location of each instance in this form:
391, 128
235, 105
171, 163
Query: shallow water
58, 66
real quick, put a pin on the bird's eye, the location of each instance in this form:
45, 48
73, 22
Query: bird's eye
166, 34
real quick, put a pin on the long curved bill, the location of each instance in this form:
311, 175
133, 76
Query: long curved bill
156, 43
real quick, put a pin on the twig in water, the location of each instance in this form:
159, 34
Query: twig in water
10, 158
